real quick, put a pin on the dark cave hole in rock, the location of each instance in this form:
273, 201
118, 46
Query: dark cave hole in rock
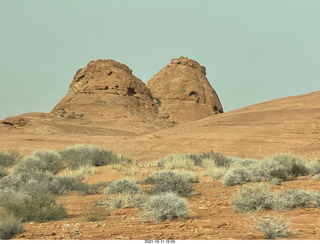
194, 96
106, 88
110, 73
131, 91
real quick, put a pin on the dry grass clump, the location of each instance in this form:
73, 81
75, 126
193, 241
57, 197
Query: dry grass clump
94, 213
81, 155
3, 172
8, 159
252, 198
260, 198
165, 206
40, 208
9, 226
123, 186
51, 159
272, 227
183, 161
118, 201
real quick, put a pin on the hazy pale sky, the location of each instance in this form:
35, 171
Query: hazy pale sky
254, 50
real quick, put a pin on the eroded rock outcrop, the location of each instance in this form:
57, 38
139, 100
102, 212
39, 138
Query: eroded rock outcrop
107, 89
183, 92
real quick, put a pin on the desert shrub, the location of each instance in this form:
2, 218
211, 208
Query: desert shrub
40, 208
124, 186
138, 200
8, 159
178, 161
218, 158
45, 161
276, 181
118, 201
314, 167
24, 184
3, 172
160, 175
165, 206
94, 213
9, 226
62, 183
80, 155
253, 198
189, 176
236, 176
272, 227
285, 167
52, 160
291, 198
175, 183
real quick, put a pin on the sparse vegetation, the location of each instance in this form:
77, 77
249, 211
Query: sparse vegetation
52, 160
124, 186
171, 182
179, 161
253, 198
40, 208
260, 198
94, 213
3, 172
8, 159
165, 206
160, 175
236, 176
138, 200
290, 198
118, 201
273, 227
9, 226
81, 155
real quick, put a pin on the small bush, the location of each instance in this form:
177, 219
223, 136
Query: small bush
183, 161
80, 155
175, 183
236, 176
285, 167
8, 159
291, 198
3, 172
63, 183
189, 176
218, 158
124, 186
52, 160
160, 175
41, 208
272, 227
28, 183
314, 167
29, 164
138, 200
9, 226
165, 206
94, 213
253, 198
118, 201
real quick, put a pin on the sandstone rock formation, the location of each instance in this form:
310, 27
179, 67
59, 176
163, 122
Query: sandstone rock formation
106, 89
183, 92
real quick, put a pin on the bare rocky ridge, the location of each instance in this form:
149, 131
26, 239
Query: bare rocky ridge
183, 91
